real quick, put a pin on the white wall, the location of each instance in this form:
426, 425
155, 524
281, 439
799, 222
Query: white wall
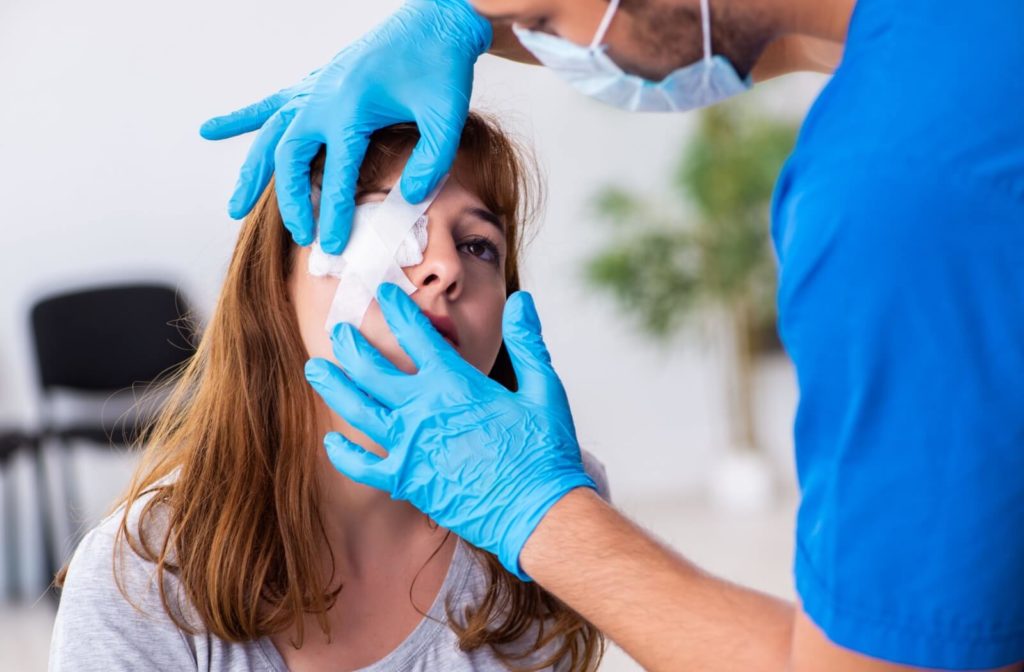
103, 174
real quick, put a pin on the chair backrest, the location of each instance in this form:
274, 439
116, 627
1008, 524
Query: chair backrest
10, 443
110, 338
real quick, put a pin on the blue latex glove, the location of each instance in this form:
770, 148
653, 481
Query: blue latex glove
478, 459
415, 66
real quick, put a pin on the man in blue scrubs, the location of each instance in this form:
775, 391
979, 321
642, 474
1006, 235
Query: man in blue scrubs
899, 227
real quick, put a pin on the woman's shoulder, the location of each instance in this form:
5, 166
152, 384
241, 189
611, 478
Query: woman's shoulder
111, 614
106, 542
107, 568
116, 540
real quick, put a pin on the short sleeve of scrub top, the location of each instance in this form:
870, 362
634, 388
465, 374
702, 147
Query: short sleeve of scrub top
899, 226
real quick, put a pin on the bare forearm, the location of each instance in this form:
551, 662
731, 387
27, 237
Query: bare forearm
660, 608
505, 45
797, 53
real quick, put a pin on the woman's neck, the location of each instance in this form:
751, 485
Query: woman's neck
365, 526
388, 560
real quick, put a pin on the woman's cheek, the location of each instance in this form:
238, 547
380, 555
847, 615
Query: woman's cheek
485, 324
312, 297
496, 340
374, 329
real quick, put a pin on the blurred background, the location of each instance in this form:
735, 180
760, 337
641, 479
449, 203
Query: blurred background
651, 268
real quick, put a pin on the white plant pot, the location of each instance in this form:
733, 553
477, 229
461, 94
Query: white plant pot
742, 482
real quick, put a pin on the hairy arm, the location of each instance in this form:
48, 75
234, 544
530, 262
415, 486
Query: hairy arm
666, 612
797, 53
663, 610
506, 45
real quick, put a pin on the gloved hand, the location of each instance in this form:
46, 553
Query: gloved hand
416, 66
478, 459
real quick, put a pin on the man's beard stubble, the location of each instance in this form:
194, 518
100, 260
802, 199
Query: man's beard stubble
668, 33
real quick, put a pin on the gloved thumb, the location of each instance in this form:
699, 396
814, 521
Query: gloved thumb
354, 461
537, 379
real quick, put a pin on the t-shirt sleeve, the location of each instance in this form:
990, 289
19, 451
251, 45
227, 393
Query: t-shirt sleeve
97, 629
901, 303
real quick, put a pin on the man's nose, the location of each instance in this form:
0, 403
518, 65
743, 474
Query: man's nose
441, 270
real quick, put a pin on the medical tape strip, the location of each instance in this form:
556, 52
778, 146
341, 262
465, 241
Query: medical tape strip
370, 256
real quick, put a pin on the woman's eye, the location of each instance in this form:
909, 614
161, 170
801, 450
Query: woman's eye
482, 249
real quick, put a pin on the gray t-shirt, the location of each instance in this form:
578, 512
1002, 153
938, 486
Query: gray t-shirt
97, 629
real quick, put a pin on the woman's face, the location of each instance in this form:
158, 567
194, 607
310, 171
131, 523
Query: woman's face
460, 285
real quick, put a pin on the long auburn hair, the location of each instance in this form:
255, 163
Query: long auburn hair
227, 488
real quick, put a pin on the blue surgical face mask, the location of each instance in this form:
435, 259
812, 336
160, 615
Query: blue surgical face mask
591, 71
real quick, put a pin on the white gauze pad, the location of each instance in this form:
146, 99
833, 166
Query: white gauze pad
386, 237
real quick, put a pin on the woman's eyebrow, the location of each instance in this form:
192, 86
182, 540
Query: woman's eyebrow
487, 216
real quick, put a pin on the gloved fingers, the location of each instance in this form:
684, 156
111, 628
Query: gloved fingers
530, 358
347, 400
355, 461
367, 367
433, 155
417, 336
341, 172
245, 119
294, 153
258, 167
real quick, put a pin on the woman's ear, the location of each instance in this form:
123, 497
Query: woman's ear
502, 370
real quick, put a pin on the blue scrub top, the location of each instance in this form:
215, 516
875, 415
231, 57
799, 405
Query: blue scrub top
899, 227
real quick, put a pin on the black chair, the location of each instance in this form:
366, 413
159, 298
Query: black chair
97, 342
11, 442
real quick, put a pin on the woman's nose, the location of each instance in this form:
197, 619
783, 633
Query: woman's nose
441, 270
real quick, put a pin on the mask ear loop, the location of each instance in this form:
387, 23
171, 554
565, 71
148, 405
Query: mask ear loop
606, 21
705, 29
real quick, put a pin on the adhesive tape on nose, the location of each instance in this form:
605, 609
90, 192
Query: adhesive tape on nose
386, 237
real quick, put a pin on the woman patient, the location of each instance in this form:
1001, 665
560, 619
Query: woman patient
239, 547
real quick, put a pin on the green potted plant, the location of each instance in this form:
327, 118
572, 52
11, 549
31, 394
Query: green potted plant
710, 253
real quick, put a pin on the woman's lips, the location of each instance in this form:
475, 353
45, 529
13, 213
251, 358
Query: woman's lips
445, 326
